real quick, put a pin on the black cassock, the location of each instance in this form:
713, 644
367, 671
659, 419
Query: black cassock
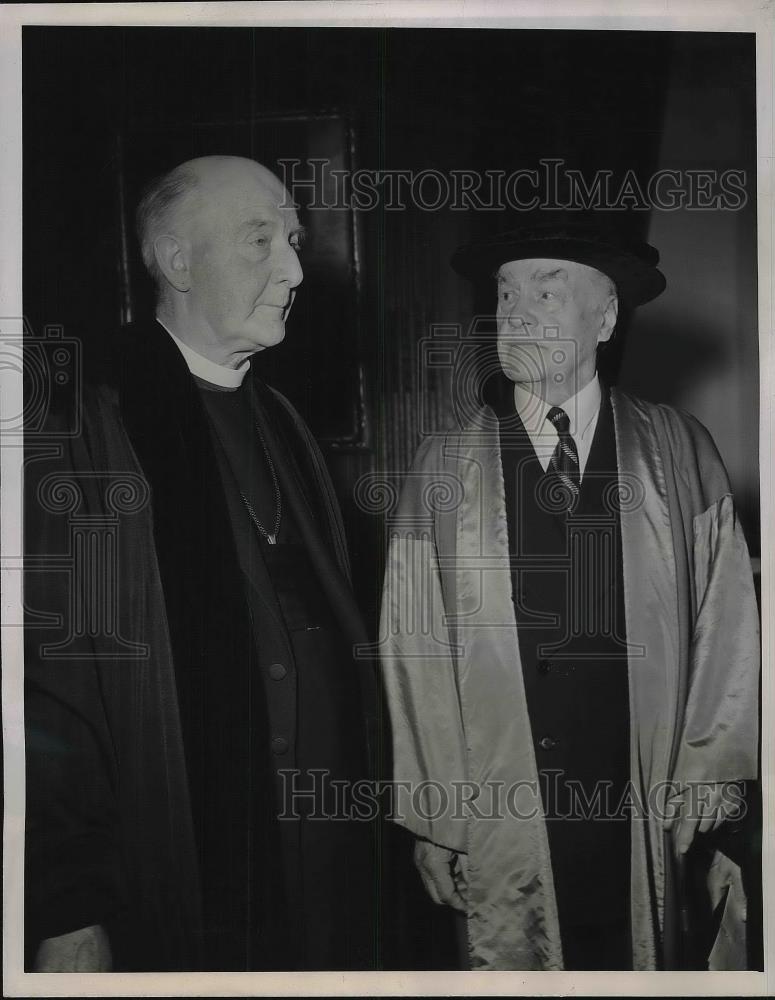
198, 675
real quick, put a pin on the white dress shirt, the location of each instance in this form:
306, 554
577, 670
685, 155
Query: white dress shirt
209, 371
582, 410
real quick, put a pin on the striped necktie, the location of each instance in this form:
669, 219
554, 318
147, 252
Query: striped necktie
564, 463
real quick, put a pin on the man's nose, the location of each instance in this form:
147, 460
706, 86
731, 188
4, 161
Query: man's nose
517, 319
289, 269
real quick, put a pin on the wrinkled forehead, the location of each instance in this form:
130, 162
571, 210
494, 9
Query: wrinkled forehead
578, 277
548, 269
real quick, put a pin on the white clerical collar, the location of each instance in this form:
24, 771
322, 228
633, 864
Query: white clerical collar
209, 371
582, 410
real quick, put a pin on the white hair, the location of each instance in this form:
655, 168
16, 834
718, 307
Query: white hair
604, 285
158, 203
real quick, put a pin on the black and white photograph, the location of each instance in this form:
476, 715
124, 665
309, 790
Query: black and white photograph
386, 467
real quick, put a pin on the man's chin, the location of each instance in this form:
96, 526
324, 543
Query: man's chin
524, 365
268, 336
523, 378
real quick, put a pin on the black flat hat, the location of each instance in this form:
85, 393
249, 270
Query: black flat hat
630, 264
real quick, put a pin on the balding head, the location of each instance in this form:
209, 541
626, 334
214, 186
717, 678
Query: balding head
168, 200
219, 235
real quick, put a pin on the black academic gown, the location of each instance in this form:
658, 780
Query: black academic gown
151, 780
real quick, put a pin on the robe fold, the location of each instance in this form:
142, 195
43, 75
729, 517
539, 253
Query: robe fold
455, 690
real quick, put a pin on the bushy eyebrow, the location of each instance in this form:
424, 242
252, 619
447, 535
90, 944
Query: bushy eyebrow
540, 275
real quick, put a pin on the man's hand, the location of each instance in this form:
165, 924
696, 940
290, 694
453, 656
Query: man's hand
86, 950
444, 874
701, 808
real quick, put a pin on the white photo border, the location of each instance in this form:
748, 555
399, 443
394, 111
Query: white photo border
700, 15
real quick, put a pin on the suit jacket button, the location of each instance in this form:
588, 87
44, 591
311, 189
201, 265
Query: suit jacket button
277, 671
547, 743
544, 666
279, 745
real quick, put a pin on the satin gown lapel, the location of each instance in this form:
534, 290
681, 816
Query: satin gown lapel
517, 892
650, 589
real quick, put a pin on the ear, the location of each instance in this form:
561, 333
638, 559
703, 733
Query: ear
172, 260
608, 319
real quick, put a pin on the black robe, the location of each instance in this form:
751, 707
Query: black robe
150, 774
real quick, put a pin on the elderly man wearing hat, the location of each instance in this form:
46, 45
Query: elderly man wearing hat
571, 642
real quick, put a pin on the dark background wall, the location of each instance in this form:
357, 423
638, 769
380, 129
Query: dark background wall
478, 100
443, 99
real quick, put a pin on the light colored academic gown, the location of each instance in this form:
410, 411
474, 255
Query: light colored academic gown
454, 685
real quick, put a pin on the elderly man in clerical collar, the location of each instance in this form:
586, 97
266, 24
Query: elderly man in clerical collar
582, 694
223, 707
226, 262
